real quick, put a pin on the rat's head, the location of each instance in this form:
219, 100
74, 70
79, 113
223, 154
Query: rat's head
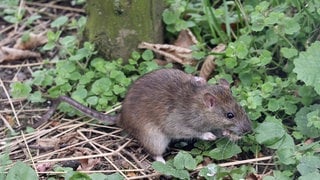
224, 112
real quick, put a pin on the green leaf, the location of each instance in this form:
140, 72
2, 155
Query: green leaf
269, 133
78, 176
307, 66
79, 94
99, 64
21, 170
60, 21
101, 176
20, 90
198, 54
170, 17
184, 160
225, 149
273, 105
147, 55
230, 62
92, 100
101, 86
257, 21
118, 89
288, 52
36, 97
310, 176
302, 120
169, 170
291, 26
87, 77
309, 164
209, 171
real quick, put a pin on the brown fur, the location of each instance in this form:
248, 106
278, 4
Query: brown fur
169, 104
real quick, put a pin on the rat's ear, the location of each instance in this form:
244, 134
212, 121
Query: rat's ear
209, 100
224, 83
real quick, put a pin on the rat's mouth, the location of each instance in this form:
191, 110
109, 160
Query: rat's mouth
231, 135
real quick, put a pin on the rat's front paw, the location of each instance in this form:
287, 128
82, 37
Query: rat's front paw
208, 136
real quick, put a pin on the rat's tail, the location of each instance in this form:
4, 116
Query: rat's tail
110, 119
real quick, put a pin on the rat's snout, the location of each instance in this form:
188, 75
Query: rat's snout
246, 127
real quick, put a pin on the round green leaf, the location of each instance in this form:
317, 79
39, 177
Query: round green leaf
21, 171
269, 133
307, 66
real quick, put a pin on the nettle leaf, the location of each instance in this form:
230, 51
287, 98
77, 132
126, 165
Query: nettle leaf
20, 90
225, 149
184, 160
21, 171
269, 133
307, 66
302, 121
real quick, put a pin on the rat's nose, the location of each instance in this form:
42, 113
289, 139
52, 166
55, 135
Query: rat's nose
246, 127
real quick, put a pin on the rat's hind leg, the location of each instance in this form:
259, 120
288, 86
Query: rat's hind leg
155, 142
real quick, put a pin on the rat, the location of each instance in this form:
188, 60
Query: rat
169, 104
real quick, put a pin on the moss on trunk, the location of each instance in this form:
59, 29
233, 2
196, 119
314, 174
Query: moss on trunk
118, 26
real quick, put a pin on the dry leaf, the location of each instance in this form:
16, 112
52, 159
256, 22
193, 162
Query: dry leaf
43, 167
180, 52
11, 54
252, 176
185, 39
34, 40
88, 164
48, 143
208, 65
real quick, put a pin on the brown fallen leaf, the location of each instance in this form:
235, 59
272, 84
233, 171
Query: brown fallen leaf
42, 167
33, 41
208, 65
88, 164
179, 52
10, 54
48, 143
172, 53
185, 39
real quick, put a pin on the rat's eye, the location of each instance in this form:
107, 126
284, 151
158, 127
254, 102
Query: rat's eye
230, 115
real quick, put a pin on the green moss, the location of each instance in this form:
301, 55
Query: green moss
118, 26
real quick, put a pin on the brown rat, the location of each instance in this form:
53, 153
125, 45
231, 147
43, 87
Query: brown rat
169, 104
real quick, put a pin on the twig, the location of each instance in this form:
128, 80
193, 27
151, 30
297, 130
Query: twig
56, 7
29, 153
247, 161
10, 101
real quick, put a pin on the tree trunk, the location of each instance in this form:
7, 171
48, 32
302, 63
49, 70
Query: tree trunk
116, 27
